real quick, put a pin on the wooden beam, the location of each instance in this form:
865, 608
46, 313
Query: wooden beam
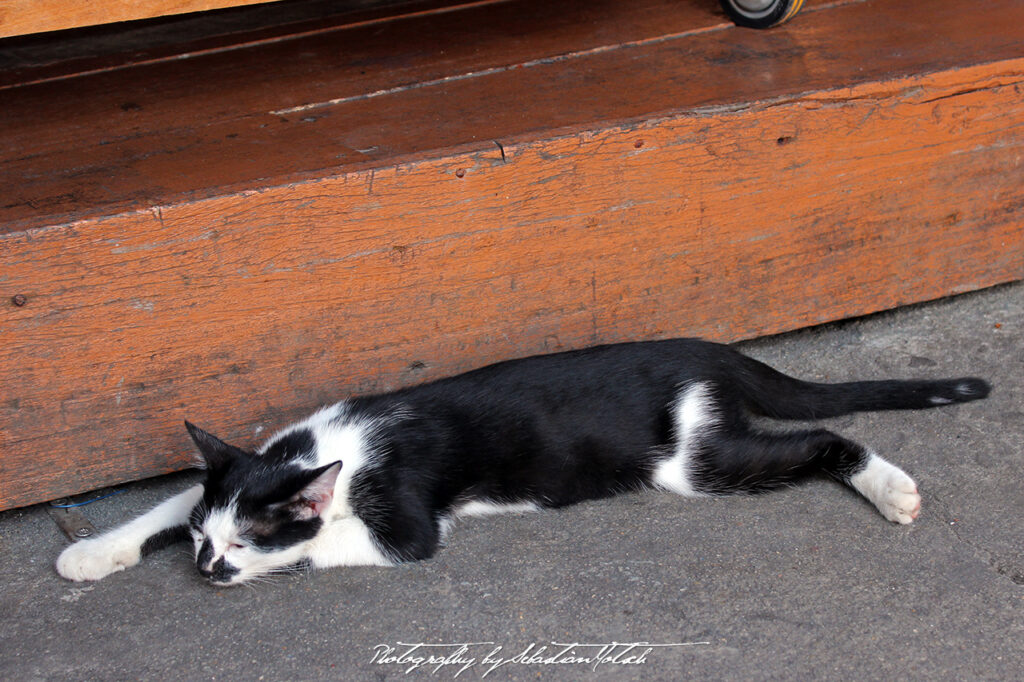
20, 17
521, 211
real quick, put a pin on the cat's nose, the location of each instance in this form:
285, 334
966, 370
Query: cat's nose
218, 572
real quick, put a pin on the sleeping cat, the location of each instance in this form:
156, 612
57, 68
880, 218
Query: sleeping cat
379, 479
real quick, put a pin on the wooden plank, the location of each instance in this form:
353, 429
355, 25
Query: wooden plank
242, 309
120, 140
38, 58
58, 150
134, 323
18, 17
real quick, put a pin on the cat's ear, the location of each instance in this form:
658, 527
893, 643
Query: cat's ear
316, 496
216, 453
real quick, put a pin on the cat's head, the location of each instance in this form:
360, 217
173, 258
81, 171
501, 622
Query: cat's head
258, 511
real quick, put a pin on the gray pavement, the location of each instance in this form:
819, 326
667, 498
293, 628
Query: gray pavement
808, 583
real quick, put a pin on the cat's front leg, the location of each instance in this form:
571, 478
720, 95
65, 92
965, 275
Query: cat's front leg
121, 547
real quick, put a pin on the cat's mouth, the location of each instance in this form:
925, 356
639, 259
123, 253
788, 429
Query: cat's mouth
223, 580
223, 583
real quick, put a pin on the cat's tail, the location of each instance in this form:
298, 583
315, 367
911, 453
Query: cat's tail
770, 393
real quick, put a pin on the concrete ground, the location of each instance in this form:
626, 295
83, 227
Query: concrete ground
808, 583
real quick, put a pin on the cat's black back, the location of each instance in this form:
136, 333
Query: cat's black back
557, 429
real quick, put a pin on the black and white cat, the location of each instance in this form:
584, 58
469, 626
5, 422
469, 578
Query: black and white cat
379, 479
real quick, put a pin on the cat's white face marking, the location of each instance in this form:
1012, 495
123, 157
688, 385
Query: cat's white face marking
694, 414
220, 546
221, 530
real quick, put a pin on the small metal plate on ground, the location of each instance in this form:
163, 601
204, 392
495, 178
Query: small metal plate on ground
71, 521
67, 514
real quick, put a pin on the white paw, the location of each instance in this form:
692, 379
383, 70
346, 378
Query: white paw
96, 558
890, 489
900, 502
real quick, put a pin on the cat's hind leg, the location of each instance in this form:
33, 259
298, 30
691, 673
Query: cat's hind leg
123, 547
755, 462
715, 452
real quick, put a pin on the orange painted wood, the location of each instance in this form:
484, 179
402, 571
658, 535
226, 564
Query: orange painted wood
790, 180
119, 140
38, 58
18, 17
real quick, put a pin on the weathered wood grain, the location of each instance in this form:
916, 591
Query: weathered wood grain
37, 58
242, 309
119, 140
18, 17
